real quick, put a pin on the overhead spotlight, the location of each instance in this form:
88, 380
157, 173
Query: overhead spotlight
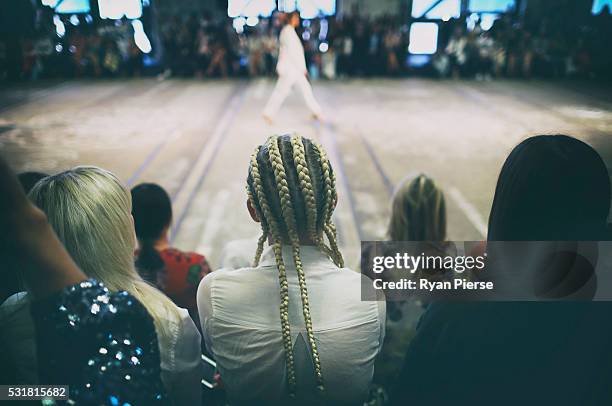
323, 47
74, 20
60, 28
252, 21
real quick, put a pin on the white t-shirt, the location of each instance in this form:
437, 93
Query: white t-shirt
240, 316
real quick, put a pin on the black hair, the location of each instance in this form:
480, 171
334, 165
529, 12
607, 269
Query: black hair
288, 16
152, 212
29, 179
551, 188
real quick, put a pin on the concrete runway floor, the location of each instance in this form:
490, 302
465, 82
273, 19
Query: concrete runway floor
195, 138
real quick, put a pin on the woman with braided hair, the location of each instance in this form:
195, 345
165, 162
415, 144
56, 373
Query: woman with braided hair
293, 328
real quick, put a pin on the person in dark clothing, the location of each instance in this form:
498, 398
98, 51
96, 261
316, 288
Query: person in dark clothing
553, 188
176, 273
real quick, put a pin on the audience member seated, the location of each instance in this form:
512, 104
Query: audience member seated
77, 319
551, 188
174, 272
329, 337
418, 213
89, 209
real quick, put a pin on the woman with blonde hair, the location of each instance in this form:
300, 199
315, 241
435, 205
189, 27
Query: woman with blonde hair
292, 329
418, 215
418, 211
90, 210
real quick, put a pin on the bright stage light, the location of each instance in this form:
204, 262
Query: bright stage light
60, 28
423, 38
250, 8
68, 6
252, 21
487, 21
116, 9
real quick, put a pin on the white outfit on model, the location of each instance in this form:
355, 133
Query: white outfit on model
239, 312
291, 69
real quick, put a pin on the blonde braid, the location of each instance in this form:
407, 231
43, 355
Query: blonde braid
282, 272
329, 204
289, 217
299, 157
303, 171
264, 226
330, 232
260, 246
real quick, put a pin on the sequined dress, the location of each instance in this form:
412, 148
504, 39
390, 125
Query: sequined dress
102, 344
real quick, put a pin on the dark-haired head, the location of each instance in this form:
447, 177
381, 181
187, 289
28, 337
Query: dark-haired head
292, 18
152, 212
551, 188
29, 179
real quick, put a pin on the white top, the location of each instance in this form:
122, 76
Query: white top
181, 362
239, 311
18, 337
291, 60
238, 254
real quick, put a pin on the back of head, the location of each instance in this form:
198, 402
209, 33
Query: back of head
152, 212
418, 211
292, 186
551, 188
289, 18
90, 210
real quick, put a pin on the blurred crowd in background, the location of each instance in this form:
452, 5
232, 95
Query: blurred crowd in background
198, 45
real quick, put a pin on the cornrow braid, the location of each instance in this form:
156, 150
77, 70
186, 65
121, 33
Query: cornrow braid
299, 157
289, 216
264, 226
329, 204
282, 272
291, 186
306, 185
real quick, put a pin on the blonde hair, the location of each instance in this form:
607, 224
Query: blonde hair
90, 210
418, 211
292, 187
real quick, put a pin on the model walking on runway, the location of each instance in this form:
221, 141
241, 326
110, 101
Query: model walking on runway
291, 69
